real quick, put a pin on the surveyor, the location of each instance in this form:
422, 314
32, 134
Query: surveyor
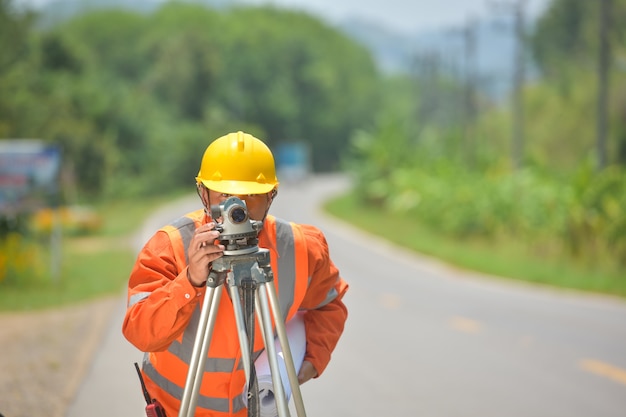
168, 282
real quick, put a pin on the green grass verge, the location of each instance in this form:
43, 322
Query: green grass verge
507, 258
98, 265
92, 266
83, 277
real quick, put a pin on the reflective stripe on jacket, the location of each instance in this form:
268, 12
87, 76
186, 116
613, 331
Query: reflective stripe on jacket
223, 382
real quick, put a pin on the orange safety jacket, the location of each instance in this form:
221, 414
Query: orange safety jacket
164, 310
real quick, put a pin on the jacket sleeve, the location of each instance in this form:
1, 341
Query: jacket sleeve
161, 300
326, 313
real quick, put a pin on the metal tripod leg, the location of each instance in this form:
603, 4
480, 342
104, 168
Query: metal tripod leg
264, 317
200, 350
272, 355
284, 344
238, 268
241, 330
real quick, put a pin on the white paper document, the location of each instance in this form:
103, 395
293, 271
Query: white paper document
297, 344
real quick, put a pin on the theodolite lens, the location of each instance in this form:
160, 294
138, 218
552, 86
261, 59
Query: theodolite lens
238, 215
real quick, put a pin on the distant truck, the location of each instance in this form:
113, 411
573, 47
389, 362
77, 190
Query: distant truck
293, 161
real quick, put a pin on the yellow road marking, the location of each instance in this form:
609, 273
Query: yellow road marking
390, 301
464, 324
604, 369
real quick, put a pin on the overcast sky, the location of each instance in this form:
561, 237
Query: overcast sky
401, 15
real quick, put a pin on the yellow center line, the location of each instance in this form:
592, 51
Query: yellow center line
466, 325
604, 369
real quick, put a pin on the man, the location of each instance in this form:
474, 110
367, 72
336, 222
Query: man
168, 282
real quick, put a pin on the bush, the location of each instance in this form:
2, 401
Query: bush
21, 261
581, 216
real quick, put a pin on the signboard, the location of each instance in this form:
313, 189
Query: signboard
29, 171
292, 161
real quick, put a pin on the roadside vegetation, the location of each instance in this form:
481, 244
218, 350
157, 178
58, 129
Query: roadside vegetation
506, 256
533, 191
550, 208
93, 263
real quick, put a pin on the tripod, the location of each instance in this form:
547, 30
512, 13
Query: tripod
250, 282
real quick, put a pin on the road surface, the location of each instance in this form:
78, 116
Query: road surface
424, 339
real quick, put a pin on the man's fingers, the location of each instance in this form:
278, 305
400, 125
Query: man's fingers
307, 371
205, 235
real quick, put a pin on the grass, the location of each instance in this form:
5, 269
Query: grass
507, 258
92, 266
99, 264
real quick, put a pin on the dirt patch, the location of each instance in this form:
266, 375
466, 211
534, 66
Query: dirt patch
45, 355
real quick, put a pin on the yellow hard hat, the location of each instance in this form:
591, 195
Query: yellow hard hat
238, 163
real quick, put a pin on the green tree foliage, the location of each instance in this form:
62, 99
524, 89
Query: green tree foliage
581, 215
14, 29
306, 76
557, 206
16, 65
566, 36
565, 45
133, 98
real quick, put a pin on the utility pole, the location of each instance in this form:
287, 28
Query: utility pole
604, 61
469, 40
427, 73
467, 78
517, 148
517, 9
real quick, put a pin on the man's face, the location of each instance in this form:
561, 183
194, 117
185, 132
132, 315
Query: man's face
257, 204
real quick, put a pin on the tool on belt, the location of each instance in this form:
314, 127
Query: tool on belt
153, 407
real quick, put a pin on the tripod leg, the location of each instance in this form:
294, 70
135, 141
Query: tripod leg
284, 344
272, 355
241, 330
245, 332
200, 349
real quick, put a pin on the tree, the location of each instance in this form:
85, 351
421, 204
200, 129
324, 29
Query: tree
15, 64
298, 79
573, 40
132, 98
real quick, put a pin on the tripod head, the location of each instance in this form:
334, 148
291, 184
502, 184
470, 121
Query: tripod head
238, 233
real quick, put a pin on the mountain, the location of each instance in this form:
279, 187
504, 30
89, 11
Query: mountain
491, 62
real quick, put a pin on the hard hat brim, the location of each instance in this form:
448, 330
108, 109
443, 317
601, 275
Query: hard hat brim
238, 187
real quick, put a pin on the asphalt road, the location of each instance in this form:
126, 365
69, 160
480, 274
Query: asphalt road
424, 339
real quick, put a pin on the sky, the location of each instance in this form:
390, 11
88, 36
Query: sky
407, 16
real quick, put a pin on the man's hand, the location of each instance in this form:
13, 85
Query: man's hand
202, 251
307, 371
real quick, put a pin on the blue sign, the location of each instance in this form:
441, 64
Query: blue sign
29, 170
293, 161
